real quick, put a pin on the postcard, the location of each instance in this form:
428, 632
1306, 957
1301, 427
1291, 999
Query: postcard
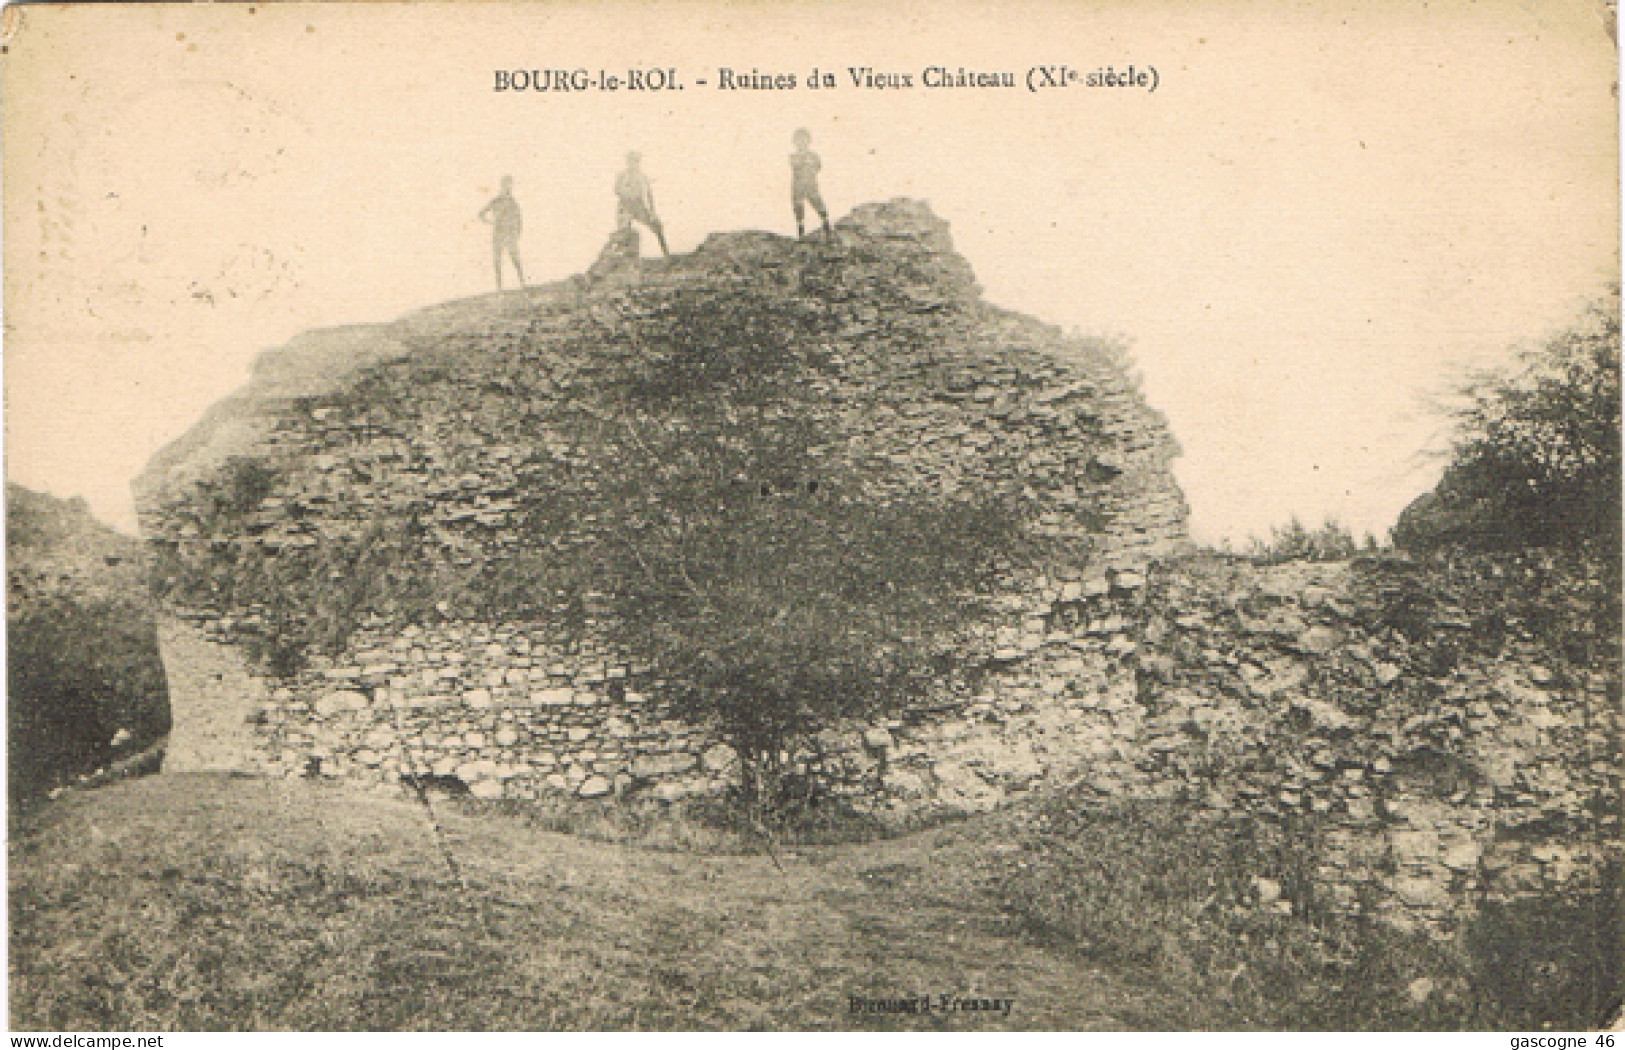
721, 516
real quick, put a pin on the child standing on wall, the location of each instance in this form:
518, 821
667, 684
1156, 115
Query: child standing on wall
804, 166
502, 214
635, 200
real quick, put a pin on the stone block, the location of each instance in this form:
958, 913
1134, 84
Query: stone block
1319, 639
339, 701
1128, 581
959, 787
472, 772
1422, 891
651, 766
719, 758
905, 783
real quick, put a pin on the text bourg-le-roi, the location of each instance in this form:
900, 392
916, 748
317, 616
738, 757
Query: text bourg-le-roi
667, 78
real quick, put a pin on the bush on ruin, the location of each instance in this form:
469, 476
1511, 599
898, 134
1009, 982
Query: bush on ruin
775, 594
1536, 456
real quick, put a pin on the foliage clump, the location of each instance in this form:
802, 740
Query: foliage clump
1332, 541
775, 611
1231, 910
82, 664
1536, 457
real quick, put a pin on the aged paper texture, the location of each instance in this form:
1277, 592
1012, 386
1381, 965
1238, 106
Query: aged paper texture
822, 516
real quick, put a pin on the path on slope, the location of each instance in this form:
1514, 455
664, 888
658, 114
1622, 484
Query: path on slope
207, 902
213, 696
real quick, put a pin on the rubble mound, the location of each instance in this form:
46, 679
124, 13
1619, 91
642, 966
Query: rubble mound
396, 524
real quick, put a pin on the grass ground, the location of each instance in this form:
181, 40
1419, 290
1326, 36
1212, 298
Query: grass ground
210, 903
202, 903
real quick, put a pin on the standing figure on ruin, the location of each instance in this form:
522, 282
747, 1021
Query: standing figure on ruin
635, 200
804, 165
503, 216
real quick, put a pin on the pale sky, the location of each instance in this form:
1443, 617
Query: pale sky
1323, 213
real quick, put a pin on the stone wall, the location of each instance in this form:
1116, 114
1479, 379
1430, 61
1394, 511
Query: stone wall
1279, 693
1445, 753
524, 710
1273, 693
465, 418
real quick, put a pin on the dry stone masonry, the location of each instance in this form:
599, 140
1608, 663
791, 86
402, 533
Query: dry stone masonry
928, 388
1280, 692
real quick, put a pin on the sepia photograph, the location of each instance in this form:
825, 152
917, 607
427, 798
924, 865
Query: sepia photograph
609, 516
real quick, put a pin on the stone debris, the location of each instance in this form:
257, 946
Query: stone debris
930, 390
1137, 673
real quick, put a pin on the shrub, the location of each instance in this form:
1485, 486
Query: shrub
1141, 885
774, 595
1553, 961
245, 482
776, 590
82, 651
1293, 542
78, 670
744, 344
1536, 456
777, 618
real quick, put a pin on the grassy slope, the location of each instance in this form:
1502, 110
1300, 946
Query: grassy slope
180, 902
205, 903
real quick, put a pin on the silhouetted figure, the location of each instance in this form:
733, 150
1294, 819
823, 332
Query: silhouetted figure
503, 215
636, 201
804, 165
